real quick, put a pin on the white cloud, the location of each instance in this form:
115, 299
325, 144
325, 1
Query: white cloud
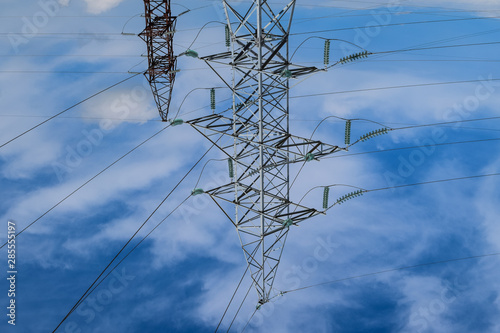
121, 106
100, 6
24, 158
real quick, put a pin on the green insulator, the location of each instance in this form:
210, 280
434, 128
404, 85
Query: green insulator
326, 192
212, 99
288, 223
354, 57
192, 54
231, 168
373, 134
310, 157
327, 52
197, 191
348, 132
350, 196
176, 122
228, 36
286, 73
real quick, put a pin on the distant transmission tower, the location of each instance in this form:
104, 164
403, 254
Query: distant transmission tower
159, 37
256, 138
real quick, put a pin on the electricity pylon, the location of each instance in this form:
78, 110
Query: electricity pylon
257, 137
159, 37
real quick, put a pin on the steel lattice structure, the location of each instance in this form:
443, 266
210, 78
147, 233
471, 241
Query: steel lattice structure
257, 137
159, 37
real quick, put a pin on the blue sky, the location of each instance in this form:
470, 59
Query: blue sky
56, 54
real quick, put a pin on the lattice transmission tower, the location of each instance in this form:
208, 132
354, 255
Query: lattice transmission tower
162, 63
257, 138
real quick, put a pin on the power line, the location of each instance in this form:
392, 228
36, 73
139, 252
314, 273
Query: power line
92, 287
72, 16
392, 270
439, 12
88, 181
397, 24
81, 117
70, 33
232, 297
248, 321
392, 87
446, 123
85, 38
62, 72
413, 147
437, 47
374, 5
132, 250
370, 60
435, 182
107, 118
71, 107
70, 55
83, 72
434, 60
89, 290
239, 308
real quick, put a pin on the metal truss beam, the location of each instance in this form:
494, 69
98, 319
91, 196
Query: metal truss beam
293, 149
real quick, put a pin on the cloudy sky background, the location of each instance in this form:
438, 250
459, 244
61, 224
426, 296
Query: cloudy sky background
182, 277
